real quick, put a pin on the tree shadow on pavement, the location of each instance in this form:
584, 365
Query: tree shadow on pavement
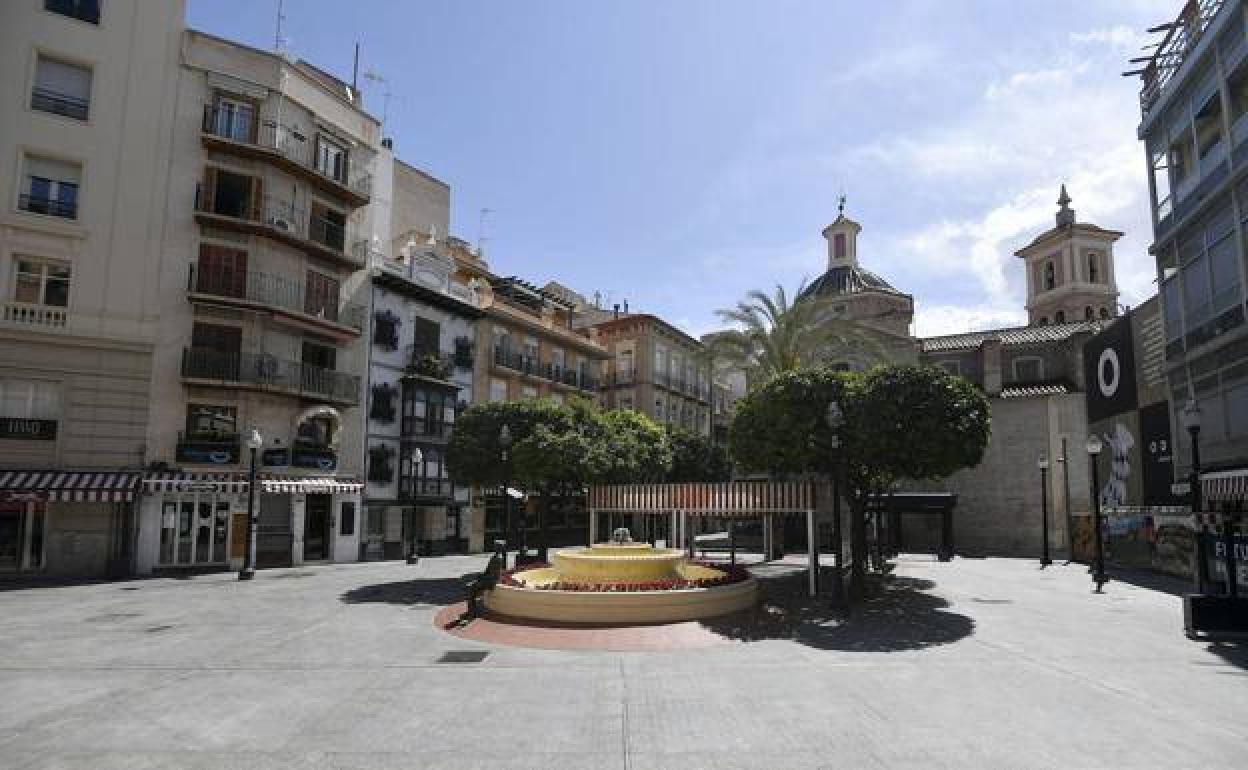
429, 592
897, 614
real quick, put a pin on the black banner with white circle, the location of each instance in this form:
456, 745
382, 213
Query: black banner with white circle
1109, 371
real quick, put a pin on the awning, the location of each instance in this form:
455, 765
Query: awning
177, 481
1218, 486
309, 485
70, 486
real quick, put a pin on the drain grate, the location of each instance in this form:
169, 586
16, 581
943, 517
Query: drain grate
463, 656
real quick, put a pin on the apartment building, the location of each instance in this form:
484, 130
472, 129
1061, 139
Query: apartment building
1194, 124
85, 112
421, 372
658, 370
263, 310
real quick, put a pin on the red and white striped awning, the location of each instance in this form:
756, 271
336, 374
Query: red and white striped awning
733, 498
177, 481
1219, 486
70, 486
309, 485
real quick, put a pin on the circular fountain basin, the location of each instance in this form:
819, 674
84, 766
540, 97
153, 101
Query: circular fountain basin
612, 563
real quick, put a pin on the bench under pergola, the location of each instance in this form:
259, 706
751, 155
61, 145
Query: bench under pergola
727, 500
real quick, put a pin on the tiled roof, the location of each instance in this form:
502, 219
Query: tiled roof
846, 280
1017, 335
1033, 391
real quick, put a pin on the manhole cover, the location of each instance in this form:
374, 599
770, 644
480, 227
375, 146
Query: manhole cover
463, 656
992, 601
111, 616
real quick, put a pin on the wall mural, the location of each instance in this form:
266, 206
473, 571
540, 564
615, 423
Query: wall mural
1120, 443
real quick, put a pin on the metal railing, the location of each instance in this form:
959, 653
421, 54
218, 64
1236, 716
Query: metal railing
282, 140
419, 486
42, 316
53, 207
278, 215
269, 371
430, 363
327, 233
1180, 40
208, 447
272, 291
47, 100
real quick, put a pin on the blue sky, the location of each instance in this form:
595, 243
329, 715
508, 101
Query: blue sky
678, 153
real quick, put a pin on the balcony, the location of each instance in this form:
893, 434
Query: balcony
40, 317
546, 370
52, 207
279, 220
261, 371
279, 295
1180, 40
517, 362
208, 448
621, 377
430, 364
413, 487
229, 131
47, 100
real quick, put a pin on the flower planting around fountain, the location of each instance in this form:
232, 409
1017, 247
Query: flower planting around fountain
621, 583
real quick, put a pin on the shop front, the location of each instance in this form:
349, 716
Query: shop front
66, 524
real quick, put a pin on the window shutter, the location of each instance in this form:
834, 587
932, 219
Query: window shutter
63, 79
209, 191
257, 199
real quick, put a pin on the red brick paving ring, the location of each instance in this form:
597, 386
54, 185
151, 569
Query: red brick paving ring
516, 632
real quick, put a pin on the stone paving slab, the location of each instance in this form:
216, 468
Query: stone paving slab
976, 663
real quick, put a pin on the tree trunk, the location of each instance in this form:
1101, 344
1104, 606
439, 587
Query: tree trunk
857, 544
543, 506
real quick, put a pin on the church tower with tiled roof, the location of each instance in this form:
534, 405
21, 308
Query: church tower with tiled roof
1070, 271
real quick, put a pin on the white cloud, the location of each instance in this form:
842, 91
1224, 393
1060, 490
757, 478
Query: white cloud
937, 320
1122, 37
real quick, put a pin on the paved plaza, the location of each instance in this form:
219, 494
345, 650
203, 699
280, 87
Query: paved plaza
975, 663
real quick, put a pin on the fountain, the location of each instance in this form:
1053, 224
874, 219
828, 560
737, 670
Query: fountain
622, 582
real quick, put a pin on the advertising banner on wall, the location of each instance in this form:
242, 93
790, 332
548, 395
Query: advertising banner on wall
1109, 371
1157, 455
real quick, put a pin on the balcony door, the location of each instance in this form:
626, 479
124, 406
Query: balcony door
222, 271
321, 297
234, 119
318, 365
215, 351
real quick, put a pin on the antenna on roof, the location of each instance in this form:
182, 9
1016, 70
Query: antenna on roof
279, 42
481, 239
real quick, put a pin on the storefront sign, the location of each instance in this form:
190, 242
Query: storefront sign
30, 430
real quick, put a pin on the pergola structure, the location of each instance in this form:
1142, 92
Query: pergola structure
732, 500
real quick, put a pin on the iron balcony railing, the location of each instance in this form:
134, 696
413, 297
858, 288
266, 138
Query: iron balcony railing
1180, 39
53, 207
430, 363
272, 291
547, 370
278, 215
269, 371
413, 487
47, 100
281, 140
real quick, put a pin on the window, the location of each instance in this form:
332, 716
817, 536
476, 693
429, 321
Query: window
1028, 369
1087, 312
331, 159
1104, 314
386, 330
1094, 275
319, 356
61, 88
235, 195
1044, 320
1059, 317
233, 119
426, 338
222, 339
221, 271
83, 10
30, 400
347, 519
36, 282
50, 187
427, 478
427, 411
328, 227
658, 409
211, 421
382, 406
321, 296
1050, 275
839, 246
381, 464
498, 390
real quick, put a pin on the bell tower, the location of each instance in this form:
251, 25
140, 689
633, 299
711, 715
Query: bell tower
1070, 270
842, 236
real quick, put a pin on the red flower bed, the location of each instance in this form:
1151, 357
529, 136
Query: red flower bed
729, 574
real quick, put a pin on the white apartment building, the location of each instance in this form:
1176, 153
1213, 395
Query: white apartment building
85, 114
262, 313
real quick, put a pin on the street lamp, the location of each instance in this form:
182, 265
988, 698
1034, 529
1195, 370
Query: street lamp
1094, 447
835, 419
1043, 465
504, 442
1190, 417
254, 442
416, 461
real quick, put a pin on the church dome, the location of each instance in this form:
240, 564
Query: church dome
846, 279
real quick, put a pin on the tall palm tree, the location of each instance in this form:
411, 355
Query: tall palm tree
774, 335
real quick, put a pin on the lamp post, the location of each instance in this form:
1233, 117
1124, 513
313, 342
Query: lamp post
1190, 417
835, 419
415, 461
504, 442
1043, 465
1094, 447
254, 442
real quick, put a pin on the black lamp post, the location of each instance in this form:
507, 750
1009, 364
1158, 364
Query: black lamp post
504, 441
1190, 417
1094, 447
416, 462
254, 442
835, 419
1043, 465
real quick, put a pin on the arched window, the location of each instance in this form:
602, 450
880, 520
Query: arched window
1104, 313
1087, 313
1060, 317
1093, 272
1050, 275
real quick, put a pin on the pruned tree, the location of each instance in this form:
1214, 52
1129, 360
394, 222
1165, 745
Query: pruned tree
696, 458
